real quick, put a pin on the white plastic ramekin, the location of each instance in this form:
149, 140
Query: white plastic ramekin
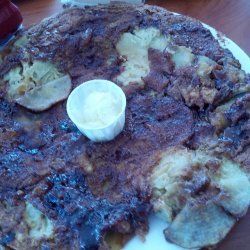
83, 3
75, 104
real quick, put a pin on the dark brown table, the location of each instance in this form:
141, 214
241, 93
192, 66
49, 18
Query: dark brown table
231, 17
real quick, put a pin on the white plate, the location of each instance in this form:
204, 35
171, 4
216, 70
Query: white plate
155, 238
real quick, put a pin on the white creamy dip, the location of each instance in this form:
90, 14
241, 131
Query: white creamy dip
100, 109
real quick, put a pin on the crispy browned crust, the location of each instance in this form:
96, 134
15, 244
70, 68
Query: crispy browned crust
85, 187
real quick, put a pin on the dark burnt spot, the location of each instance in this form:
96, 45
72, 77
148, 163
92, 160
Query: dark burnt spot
7, 239
7, 109
69, 198
235, 137
67, 126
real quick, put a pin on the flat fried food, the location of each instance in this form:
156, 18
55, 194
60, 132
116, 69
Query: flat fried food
184, 151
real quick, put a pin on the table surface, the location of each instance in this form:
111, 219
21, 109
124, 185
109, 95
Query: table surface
231, 17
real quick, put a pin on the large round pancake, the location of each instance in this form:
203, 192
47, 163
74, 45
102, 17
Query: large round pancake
195, 109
